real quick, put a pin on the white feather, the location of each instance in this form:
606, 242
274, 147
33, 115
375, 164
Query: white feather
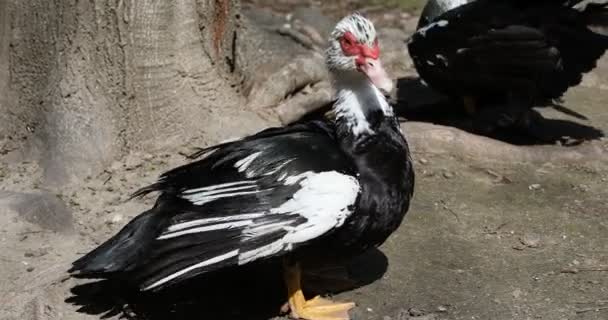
218, 226
350, 107
211, 261
219, 186
263, 251
206, 221
200, 199
242, 164
279, 167
441, 23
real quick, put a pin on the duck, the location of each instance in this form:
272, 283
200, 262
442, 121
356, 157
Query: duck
315, 191
501, 58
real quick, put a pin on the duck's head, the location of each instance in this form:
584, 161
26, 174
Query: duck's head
354, 52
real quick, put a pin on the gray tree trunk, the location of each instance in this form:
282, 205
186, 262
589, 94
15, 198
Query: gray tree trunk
84, 82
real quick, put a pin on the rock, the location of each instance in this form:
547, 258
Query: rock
415, 312
530, 240
116, 166
35, 253
518, 247
117, 218
43, 209
147, 156
534, 187
516, 293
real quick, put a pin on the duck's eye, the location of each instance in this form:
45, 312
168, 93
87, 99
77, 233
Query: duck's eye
347, 41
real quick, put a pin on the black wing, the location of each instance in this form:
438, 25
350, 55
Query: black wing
251, 199
488, 47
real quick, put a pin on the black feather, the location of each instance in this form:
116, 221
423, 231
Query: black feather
121, 252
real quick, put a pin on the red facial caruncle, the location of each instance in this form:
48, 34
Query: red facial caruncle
352, 47
366, 60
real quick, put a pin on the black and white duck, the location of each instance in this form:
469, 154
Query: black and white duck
317, 190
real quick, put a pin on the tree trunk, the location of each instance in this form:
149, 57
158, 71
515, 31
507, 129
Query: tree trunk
83, 82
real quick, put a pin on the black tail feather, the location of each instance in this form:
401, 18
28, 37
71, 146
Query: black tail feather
120, 252
568, 111
145, 190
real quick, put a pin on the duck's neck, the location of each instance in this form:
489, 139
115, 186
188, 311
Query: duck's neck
360, 106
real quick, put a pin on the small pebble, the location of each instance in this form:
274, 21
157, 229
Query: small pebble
116, 166
516, 293
29, 269
35, 253
534, 186
415, 312
448, 175
442, 309
530, 240
117, 218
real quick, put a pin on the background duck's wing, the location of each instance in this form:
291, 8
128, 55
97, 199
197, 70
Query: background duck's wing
247, 200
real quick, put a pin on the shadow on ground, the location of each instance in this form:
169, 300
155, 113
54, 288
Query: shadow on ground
254, 293
417, 102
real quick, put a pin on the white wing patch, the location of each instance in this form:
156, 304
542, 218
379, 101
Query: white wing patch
325, 200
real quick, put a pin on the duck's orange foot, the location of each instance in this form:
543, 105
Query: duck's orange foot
319, 308
316, 308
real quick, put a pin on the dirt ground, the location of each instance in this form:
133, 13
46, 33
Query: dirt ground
491, 234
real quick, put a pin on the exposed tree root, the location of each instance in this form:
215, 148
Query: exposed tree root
436, 139
287, 80
305, 101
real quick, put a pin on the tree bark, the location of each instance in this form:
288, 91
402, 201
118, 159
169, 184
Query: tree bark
84, 82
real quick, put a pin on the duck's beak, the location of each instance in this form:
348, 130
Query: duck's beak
376, 73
